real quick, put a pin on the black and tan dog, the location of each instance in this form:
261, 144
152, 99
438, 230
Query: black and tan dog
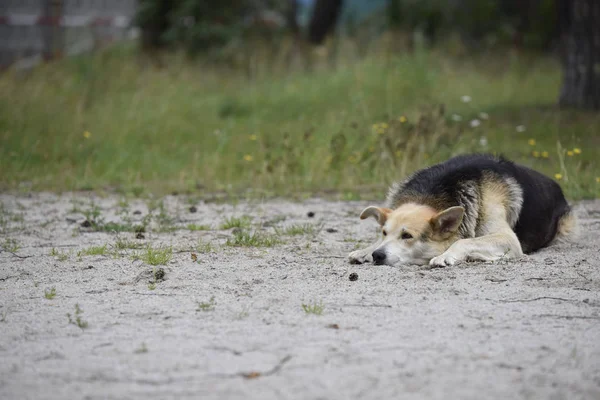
472, 207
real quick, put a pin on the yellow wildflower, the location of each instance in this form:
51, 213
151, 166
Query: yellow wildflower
252, 137
531, 142
577, 150
598, 179
398, 153
87, 134
545, 154
570, 153
384, 125
402, 119
536, 154
558, 176
248, 157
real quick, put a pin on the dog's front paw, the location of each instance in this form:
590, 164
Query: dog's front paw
444, 260
360, 257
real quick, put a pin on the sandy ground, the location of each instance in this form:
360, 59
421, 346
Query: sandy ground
525, 329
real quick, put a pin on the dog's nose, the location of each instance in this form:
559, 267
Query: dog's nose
378, 257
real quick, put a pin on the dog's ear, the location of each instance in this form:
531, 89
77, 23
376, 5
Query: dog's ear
447, 222
380, 214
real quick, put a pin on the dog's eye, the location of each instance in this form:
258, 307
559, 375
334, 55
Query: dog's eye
406, 235
384, 233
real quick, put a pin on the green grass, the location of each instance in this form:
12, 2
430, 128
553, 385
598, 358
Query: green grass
110, 120
313, 308
11, 245
76, 319
244, 238
93, 251
50, 294
60, 255
205, 247
158, 256
207, 305
195, 227
237, 222
297, 229
126, 244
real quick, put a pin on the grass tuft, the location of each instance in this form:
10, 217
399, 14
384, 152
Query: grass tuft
244, 238
50, 294
158, 256
60, 255
194, 227
205, 247
313, 308
76, 319
297, 229
242, 222
207, 305
93, 251
11, 245
126, 244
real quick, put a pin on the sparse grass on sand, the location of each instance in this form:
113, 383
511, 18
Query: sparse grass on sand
156, 256
314, 308
242, 238
111, 121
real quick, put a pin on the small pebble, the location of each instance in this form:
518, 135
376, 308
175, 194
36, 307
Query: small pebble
137, 212
310, 214
193, 209
353, 276
159, 275
140, 235
331, 230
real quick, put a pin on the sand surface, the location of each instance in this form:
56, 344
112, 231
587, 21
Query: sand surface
525, 329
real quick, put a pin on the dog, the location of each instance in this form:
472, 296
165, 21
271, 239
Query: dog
470, 208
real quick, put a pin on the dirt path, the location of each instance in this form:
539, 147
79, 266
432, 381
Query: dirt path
231, 324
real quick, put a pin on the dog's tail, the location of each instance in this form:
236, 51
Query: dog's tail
568, 228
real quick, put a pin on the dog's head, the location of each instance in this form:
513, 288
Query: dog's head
413, 233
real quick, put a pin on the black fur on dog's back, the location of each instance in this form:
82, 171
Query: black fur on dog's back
459, 181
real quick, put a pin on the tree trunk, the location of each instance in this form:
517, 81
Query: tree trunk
324, 17
581, 60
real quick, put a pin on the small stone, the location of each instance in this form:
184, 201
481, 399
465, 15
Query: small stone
193, 209
159, 275
331, 230
137, 212
310, 214
140, 235
333, 326
353, 276
86, 224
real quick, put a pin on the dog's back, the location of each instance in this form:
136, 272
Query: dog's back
535, 205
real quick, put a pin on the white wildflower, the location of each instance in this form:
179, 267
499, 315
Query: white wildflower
484, 115
456, 117
520, 128
483, 141
475, 123
465, 99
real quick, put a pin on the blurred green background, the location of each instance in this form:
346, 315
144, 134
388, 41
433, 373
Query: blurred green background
301, 98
